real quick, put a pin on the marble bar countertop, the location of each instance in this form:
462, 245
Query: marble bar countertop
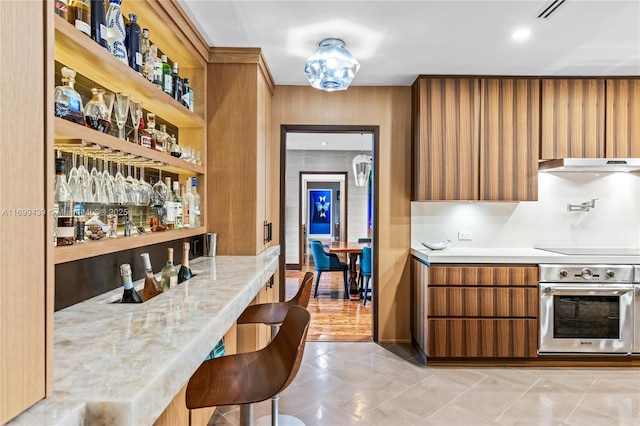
514, 255
122, 364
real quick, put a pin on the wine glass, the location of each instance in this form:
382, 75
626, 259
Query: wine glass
119, 187
121, 111
109, 99
135, 109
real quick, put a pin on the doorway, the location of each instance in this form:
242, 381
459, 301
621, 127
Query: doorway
293, 242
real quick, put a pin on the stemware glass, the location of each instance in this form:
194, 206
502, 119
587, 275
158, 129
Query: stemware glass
146, 190
135, 109
96, 185
119, 188
121, 111
109, 99
82, 189
73, 175
131, 185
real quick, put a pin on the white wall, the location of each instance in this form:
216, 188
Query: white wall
325, 161
614, 222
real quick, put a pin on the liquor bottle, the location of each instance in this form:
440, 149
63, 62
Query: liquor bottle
190, 199
169, 275
80, 229
68, 103
155, 135
165, 139
157, 216
152, 287
177, 204
196, 202
96, 113
185, 272
127, 226
187, 94
61, 8
185, 208
175, 149
130, 294
177, 83
63, 207
167, 81
116, 32
157, 69
147, 58
132, 41
169, 207
99, 22
79, 14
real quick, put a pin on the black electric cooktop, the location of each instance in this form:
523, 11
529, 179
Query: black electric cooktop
593, 251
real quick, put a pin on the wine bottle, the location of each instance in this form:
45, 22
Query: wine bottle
185, 272
99, 22
152, 287
132, 41
130, 294
64, 229
169, 275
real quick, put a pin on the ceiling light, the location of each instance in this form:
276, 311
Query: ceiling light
521, 34
361, 166
324, 143
331, 67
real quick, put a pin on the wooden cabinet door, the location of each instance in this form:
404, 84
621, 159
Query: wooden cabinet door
573, 118
486, 301
623, 118
509, 139
446, 133
419, 303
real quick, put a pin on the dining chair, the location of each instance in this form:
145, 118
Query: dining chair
251, 377
327, 262
365, 272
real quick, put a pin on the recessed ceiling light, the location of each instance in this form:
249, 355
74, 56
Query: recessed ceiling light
521, 34
324, 144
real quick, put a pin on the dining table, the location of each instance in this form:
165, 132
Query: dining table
352, 250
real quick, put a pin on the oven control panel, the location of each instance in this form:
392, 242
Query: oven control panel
586, 273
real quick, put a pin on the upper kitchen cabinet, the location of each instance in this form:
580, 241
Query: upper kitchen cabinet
476, 139
446, 126
239, 105
573, 118
622, 118
509, 139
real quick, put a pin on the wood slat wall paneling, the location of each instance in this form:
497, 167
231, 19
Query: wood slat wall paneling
446, 138
509, 139
623, 118
573, 115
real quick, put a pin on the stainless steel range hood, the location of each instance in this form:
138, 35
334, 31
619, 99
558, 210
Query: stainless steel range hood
590, 165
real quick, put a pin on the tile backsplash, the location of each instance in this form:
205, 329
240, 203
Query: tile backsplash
614, 222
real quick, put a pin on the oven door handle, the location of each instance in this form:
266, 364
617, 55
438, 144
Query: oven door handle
574, 291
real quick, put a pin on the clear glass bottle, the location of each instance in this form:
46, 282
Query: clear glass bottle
143, 135
176, 89
187, 200
187, 94
61, 9
154, 134
165, 139
157, 215
68, 103
96, 112
169, 275
169, 207
196, 202
130, 295
99, 22
133, 40
63, 207
167, 81
157, 69
152, 287
116, 32
177, 205
79, 15
175, 149
148, 59
185, 272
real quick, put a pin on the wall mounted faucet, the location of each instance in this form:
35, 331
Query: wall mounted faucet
582, 207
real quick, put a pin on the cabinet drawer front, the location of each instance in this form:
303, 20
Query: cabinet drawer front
485, 275
483, 302
482, 338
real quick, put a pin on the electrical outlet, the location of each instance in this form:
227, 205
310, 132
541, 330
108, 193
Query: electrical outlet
464, 235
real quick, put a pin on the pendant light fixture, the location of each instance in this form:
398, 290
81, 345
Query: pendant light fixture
361, 166
331, 67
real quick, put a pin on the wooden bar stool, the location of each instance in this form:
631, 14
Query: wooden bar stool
273, 314
252, 377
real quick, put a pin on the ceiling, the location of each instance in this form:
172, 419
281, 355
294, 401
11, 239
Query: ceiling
395, 41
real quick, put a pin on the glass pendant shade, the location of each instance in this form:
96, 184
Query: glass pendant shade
331, 67
361, 169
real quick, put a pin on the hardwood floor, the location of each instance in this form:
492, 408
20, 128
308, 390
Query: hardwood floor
333, 318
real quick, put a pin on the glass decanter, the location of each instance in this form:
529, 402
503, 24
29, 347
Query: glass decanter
164, 139
68, 103
96, 112
153, 132
175, 149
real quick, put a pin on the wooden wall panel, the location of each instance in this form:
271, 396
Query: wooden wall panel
446, 149
623, 118
509, 139
573, 114
486, 338
483, 302
484, 275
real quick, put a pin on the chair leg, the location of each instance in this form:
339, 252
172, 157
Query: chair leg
346, 285
366, 290
315, 293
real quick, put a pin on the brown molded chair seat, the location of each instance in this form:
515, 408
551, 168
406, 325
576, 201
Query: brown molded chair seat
252, 377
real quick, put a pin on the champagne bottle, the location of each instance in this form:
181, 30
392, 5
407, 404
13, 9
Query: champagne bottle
130, 294
152, 287
169, 276
185, 271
